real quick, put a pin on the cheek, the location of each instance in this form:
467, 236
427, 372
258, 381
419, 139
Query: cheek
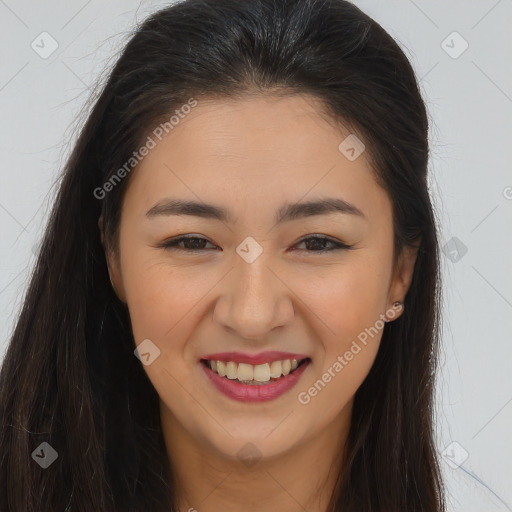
347, 298
159, 296
165, 307
350, 303
162, 300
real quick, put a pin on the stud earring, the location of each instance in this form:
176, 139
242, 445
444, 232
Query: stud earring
391, 313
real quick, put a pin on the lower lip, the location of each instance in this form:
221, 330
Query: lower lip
257, 393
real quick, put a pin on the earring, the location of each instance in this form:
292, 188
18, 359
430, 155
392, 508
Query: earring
391, 313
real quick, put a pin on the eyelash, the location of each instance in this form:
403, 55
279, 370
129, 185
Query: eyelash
172, 243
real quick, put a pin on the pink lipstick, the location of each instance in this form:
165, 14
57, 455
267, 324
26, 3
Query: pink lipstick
252, 390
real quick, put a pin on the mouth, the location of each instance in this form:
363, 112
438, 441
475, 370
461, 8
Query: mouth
247, 377
255, 375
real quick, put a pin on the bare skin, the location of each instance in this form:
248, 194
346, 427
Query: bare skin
253, 156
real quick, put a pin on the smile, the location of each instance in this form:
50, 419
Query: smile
260, 374
254, 383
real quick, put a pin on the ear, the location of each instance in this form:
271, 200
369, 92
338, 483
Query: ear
113, 265
402, 276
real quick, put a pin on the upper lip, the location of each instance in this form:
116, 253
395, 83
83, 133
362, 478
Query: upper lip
254, 359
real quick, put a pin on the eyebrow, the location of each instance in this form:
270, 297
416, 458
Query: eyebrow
286, 213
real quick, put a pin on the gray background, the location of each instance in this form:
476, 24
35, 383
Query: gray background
469, 97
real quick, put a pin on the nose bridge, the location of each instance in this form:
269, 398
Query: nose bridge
254, 291
254, 300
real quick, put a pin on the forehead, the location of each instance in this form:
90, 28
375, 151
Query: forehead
257, 149
263, 128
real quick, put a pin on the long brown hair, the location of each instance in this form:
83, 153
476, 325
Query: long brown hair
70, 378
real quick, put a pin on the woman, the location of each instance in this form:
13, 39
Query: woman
236, 303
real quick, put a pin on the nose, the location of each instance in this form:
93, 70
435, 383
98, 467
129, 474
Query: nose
254, 300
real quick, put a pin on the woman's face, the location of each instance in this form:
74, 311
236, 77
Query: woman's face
257, 279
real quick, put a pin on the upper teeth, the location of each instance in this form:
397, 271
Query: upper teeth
248, 372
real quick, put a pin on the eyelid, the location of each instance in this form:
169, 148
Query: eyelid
172, 243
338, 244
166, 244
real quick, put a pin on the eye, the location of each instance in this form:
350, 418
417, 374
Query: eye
194, 244
191, 243
319, 244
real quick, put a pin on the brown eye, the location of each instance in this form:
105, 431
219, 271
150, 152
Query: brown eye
318, 243
312, 244
190, 243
